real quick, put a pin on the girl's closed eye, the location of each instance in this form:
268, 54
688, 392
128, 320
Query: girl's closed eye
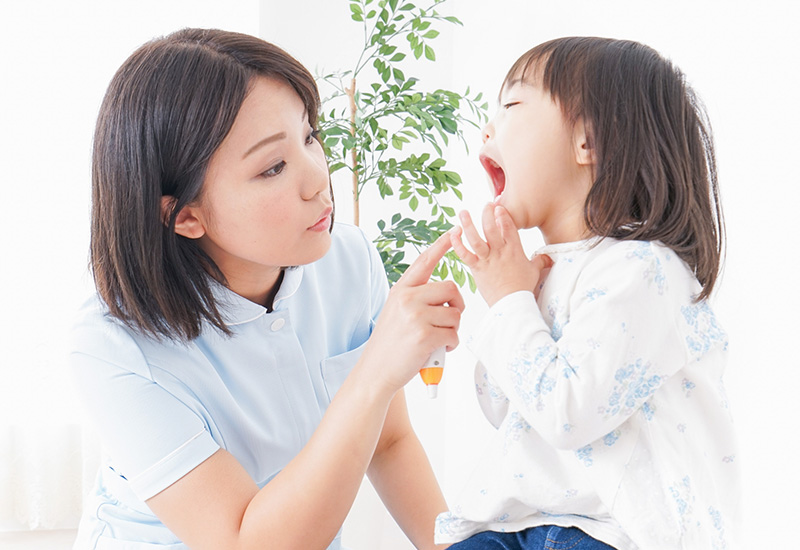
312, 137
510, 104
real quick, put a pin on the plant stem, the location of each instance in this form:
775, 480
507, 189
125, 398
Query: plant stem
351, 93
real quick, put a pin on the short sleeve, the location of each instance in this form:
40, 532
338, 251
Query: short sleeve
379, 284
151, 435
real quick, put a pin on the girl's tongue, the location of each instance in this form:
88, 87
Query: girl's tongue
496, 174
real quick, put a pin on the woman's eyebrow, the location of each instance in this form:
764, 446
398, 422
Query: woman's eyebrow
265, 141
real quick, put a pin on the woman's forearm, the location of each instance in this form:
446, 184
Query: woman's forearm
403, 477
308, 501
218, 506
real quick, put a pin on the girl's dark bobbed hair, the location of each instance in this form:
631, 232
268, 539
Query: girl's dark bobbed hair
655, 175
167, 110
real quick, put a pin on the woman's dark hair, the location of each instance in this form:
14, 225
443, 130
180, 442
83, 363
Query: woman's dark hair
166, 111
655, 175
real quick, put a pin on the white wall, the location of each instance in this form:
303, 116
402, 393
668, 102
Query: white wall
743, 58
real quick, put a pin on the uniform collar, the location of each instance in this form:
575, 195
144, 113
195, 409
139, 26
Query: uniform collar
237, 310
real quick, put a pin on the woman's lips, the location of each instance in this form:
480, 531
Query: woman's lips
496, 174
324, 221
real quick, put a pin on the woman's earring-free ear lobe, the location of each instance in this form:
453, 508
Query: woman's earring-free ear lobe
187, 224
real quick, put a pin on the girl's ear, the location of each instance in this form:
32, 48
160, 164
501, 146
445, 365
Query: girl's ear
584, 148
187, 223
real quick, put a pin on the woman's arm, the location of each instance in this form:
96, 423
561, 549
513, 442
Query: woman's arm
218, 506
403, 477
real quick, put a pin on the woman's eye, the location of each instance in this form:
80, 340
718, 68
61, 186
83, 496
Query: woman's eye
510, 104
312, 137
274, 171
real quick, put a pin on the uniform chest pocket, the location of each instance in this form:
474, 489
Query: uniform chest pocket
335, 369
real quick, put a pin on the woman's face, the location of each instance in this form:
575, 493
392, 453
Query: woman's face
266, 200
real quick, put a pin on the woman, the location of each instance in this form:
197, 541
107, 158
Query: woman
241, 400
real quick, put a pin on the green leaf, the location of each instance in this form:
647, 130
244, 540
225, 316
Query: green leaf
413, 203
429, 53
459, 277
431, 34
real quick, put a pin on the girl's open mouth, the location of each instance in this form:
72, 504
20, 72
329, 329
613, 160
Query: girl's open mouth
496, 174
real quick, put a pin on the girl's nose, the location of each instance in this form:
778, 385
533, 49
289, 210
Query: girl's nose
488, 131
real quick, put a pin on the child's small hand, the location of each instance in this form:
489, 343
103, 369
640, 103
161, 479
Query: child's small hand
499, 264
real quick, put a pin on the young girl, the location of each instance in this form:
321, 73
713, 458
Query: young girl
603, 375
240, 401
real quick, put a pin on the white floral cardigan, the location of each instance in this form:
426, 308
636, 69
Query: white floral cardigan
608, 399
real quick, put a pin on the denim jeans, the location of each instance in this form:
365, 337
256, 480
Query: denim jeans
545, 537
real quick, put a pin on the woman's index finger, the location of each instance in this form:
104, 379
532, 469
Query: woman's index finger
420, 271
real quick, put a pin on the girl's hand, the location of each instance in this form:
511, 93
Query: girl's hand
418, 317
499, 264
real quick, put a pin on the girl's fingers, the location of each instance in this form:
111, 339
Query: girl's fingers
505, 223
458, 247
473, 237
493, 236
542, 262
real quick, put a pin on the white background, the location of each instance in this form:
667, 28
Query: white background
743, 58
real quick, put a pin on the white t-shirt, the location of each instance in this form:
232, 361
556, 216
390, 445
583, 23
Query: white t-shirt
162, 408
608, 399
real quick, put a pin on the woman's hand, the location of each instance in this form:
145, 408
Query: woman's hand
499, 263
418, 317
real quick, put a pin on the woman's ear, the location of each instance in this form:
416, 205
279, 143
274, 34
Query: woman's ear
584, 147
187, 223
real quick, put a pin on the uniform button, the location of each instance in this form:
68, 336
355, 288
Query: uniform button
277, 324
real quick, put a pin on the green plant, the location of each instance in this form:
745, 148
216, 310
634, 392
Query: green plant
391, 135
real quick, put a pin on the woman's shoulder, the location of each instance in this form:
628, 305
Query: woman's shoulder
348, 236
96, 333
350, 250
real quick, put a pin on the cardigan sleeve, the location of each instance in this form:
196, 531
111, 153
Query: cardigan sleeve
626, 333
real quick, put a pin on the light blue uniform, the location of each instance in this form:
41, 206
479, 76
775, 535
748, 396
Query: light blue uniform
162, 408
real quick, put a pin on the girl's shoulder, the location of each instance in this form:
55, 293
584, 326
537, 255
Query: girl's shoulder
649, 264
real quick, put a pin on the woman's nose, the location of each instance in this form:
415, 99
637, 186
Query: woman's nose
317, 177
